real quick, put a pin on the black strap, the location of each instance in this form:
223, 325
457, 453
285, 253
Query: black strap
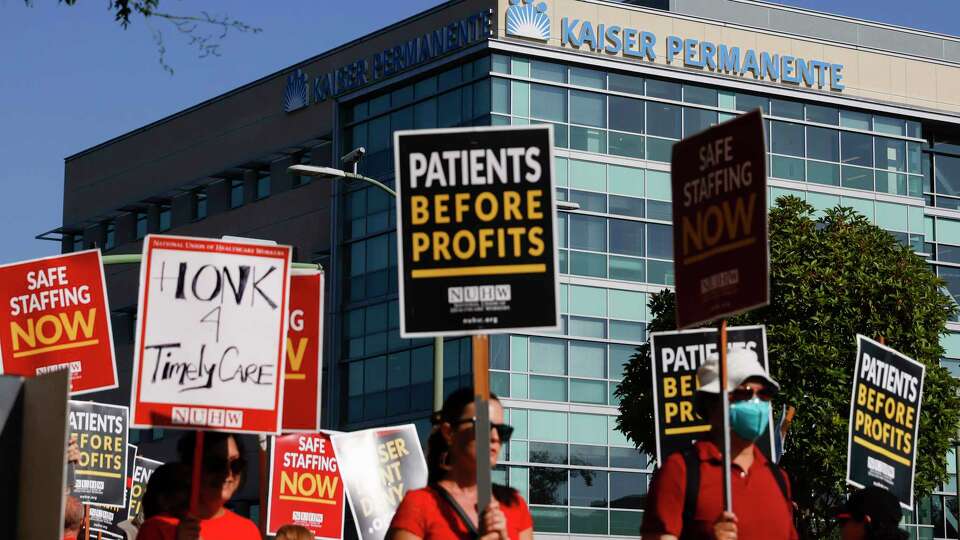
692, 461
471, 528
777, 473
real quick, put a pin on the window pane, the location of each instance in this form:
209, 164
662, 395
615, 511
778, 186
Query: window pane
619, 82
749, 102
627, 458
448, 110
626, 114
520, 98
626, 237
500, 95
628, 330
625, 523
856, 120
548, 71
697, 120
548, 355
588, 108
787, 168
549, 102
659, 149
626, 206
787, 138
947, 173
823, 144
548, 486
588, 327
627, 269
823, 115
891, 154
786, 109
554, 453
620, 356
623, 144
549, 520
425, 113
823, 173
587, 359
548, 426
592, 202
628, 490
587, 77
588, 488
588, 139
856, 149
700, 95
659, 241
588, 232
585, 391
663, 89
589, 455
588, 428
885, 124
857, 178
663, 120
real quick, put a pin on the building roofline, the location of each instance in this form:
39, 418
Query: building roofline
339, 48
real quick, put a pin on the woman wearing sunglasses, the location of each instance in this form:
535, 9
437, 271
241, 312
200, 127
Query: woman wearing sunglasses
223, 473
685, 497
447, 507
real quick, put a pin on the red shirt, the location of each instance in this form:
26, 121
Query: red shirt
426, 514
763, 513
228, 526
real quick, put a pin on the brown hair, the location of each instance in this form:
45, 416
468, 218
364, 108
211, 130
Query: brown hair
294, 532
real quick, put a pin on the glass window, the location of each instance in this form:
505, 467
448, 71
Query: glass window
856, 120
548, 388
588, 139
625, 180
663, 120
111, 235
856, 149
823, 143
890, 126
448, 111
236, 193
891, 154
627, 269
697, 120
627, 458
500, 63
592, 202
426, 87
625, 523
166, 217
263, 187
701, 95
425, 113
554, 453
548, 426
550, 520
520, 66
588, 108
620, 82
626, 304
500, 95
628, 490
587, 391
589, 455
588, 488
520, 103
588, 428
787, 138
588, 327
786, 109
947, 174
626, 114
787, 168
141, 231
620, 356
823, 173
587, 77
548, 486
659, 241
548, 71
588, 359
402, 96
626, 206
548, 102
914, 129
588, 232
663, 89
548, 355
857, 177
823, 115
626, 237
587, 175
624, 144
749, 102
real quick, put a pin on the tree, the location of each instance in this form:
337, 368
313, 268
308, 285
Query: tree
830, 279
205, 31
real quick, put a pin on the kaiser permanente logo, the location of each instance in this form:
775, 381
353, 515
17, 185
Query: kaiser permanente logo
527, 20
296, 95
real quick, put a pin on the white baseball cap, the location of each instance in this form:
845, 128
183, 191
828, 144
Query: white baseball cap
742, 364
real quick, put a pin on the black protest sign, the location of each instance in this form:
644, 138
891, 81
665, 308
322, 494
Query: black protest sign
884, 420
101, 431
105, 521
720, 253
378, 466
142, 471
675, 357
476, 230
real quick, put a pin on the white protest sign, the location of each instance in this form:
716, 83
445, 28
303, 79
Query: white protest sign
211, 335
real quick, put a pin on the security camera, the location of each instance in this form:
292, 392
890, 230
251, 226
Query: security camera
353, 156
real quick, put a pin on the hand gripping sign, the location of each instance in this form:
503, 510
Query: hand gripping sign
884, 420
301, 390
101, 430
305, 485
378, 467
211, 335
57, 317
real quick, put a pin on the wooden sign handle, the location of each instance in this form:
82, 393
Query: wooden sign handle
197, 476
481, 391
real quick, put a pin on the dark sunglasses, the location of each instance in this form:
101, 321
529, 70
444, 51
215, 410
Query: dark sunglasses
746, 394
504, 431
222, 465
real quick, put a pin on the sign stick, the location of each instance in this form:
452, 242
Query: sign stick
86, 522
264, 481
481, 391
197, 474
725, 419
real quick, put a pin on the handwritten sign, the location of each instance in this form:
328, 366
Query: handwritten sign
56, 317
142, 471
301, 391
378, 467
211, 335
305, 485
101, 430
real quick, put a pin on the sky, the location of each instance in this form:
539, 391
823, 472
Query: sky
71, 77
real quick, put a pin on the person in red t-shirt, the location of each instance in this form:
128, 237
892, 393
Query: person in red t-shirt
447, 508
761, 501
222, 475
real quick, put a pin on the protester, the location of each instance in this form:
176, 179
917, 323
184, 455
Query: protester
447, 507
688, 505
871, 514
294, 532
168, 491
72, 518
222, 475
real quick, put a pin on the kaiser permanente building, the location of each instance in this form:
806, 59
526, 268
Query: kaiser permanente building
860, 114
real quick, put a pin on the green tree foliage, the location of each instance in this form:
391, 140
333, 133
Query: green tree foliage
830, 279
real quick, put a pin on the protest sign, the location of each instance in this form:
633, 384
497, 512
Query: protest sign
105, 521
720, 253
301, 390
476, 233
675, 358
378, 467
142, 470
211, 335
305, 485
57, 317
884, 420
101, 431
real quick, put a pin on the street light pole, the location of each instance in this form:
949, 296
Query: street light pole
353, 158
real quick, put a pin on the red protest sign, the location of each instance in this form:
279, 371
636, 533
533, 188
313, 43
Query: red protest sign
720, 252
211, 335
305, 485
57, 317
301, 391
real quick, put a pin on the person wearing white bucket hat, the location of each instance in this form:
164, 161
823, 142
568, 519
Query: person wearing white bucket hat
685, 502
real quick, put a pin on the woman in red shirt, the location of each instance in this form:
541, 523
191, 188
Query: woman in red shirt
447, 508
223, 472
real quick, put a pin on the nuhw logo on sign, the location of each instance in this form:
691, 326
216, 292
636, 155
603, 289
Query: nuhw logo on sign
524, 19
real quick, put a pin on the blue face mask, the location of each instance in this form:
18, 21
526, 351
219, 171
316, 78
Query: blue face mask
749, 418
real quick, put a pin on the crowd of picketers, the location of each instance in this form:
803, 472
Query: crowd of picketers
684, 501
